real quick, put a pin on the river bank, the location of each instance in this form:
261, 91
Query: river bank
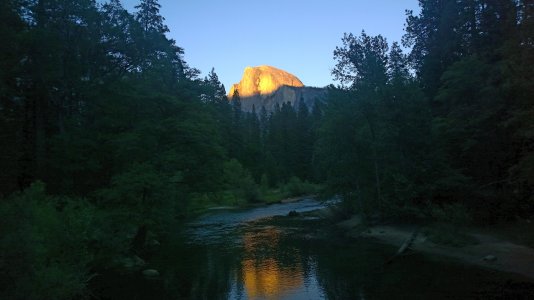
488, 252
301, 250
490, 247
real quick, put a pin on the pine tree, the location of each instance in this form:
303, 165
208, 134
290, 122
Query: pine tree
361, 60
236, 144
216, 90
397, 64
252, 151
122, 36
264, 124
12, 52
304, 142
149, 17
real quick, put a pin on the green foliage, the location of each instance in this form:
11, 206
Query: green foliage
362, 59
109, 111
454, 133
264, 184
45, 245
296, 187
100, 105
135, 186
375, 140
239, 182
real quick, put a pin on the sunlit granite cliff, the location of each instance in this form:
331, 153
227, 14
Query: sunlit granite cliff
266, 86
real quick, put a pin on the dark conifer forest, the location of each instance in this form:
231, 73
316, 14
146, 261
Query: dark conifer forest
108, 135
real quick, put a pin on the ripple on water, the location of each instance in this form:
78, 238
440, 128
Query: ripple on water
214, 228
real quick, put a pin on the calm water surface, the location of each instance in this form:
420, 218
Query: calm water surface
256, 254
269, 264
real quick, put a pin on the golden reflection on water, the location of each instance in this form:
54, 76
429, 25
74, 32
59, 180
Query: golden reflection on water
264, 275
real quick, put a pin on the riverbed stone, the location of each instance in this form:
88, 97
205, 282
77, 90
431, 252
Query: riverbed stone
132, 263
490, 258
151, 273
153, 243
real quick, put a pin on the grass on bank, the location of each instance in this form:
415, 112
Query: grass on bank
248, 193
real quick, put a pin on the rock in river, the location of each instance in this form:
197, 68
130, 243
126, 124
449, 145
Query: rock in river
490, 258
151, 273
293, 213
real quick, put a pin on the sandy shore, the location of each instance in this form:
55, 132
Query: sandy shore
490, 252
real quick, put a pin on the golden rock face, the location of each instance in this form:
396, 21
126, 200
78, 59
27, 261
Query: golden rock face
263, 81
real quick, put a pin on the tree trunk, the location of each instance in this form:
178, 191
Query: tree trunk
375, 161
40, 136
377, 181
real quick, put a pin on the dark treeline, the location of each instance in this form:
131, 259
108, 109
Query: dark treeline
109, 139
277, 146
447, 127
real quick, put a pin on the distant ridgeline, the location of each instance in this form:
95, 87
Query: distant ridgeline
267, 86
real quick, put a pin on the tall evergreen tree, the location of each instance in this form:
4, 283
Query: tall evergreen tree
252, 144
304, 142
149, 17
236, 144
12, 29
361, 60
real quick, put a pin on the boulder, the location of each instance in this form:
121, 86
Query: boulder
490, 258
132, 263
293, 213
151, 273
153, 243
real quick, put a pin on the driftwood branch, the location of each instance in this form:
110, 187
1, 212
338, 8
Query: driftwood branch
407, 244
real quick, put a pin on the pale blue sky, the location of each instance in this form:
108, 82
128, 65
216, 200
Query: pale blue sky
298, 36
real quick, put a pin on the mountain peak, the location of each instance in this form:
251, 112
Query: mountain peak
263, 80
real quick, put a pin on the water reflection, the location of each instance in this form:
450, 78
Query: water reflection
235, 255
265, 275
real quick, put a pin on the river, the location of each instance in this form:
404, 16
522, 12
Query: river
262, 254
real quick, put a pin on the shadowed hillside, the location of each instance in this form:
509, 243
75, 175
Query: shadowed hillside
282, 95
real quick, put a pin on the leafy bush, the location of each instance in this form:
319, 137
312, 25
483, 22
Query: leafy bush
239, 182
44, 245
264, 184
296, 187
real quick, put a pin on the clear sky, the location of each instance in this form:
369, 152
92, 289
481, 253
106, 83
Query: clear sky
298, 36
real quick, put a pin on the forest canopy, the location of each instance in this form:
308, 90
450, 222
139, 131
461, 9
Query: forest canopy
108, 135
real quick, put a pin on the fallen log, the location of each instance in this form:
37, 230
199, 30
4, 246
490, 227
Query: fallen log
407, 244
